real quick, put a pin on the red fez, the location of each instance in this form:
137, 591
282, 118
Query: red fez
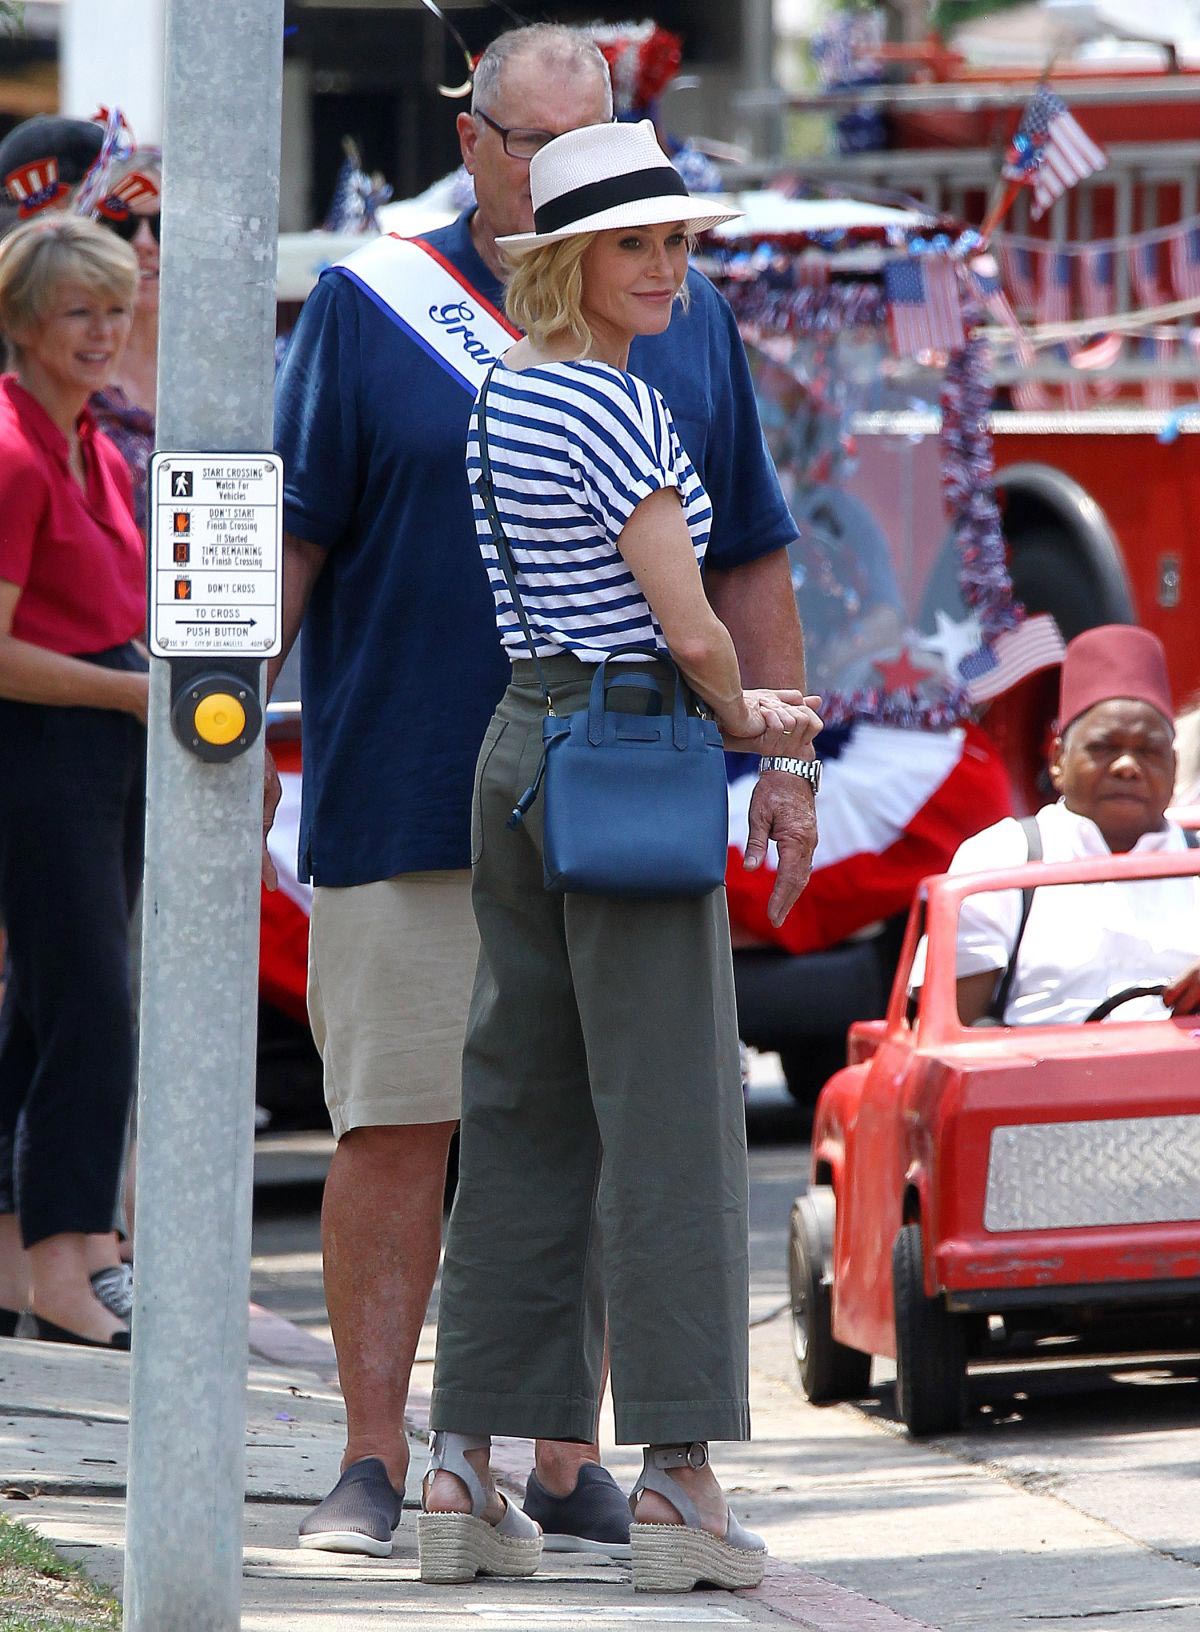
1115, 660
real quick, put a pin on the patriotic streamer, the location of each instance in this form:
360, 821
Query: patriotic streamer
114, 149
777, 302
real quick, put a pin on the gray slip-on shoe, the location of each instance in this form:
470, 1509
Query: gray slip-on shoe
359, 1514
594, 1518
113, 1287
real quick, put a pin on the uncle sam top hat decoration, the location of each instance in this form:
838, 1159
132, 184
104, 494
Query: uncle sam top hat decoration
43, 158
604, 176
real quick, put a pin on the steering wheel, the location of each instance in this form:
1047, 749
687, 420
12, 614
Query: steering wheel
1126, 995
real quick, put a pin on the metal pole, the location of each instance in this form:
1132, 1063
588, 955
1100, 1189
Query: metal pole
223, 73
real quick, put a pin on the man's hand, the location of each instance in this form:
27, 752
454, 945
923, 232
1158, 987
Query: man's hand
1182, 996
272, 791
782, 808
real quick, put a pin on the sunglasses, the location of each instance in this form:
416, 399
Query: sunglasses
127, 227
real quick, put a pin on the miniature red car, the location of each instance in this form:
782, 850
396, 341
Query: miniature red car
980, 1193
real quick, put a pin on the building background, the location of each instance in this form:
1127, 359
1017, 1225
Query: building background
369, 69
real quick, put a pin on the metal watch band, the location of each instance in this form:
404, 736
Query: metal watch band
809, 769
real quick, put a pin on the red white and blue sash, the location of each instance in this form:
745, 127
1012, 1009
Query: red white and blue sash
435, 305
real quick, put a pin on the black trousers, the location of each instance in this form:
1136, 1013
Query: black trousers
72, 812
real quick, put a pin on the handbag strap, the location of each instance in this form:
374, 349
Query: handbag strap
500, 539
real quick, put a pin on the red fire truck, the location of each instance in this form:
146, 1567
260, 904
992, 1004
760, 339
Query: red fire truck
1099, 482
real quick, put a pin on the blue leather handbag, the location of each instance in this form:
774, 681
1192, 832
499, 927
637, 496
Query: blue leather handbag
634, 804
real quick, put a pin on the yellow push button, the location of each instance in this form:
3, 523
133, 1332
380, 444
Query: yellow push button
220, 718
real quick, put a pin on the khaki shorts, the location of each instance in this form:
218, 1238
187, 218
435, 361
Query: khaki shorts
390, 971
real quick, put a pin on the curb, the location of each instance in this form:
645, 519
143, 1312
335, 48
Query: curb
795, 1595
808, 1600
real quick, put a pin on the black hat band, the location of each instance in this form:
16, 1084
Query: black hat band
657, 181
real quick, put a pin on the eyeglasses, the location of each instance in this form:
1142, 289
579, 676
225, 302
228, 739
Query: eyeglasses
518, 144
127, 226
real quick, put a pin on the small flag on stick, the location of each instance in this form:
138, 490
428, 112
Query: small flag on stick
1050, 151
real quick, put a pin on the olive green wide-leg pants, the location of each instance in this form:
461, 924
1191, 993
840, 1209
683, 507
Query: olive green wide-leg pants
602, 1101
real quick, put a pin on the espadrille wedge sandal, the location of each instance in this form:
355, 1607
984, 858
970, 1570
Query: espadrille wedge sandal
456, 1547
678, 1557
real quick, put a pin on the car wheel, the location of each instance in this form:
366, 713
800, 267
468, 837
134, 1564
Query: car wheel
829, 1371
931, 1347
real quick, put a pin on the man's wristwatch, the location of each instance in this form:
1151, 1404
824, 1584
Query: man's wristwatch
809, 769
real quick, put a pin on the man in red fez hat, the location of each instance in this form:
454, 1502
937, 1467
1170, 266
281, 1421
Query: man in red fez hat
1113, 768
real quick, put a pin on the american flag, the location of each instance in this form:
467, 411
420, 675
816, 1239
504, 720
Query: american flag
1034, 644
1097, 287
1158, 348
1017, 262
1143, 263
1029, 396
924, 312
1097, 297
1185, 264
985, 275
1054, 306
1050, 151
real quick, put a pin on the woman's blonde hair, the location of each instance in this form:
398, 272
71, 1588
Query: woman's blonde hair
544, 294
39, 257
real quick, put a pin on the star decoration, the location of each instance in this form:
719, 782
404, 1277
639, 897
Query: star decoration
953, 641
901, 673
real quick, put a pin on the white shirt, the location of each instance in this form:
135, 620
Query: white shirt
1083, 942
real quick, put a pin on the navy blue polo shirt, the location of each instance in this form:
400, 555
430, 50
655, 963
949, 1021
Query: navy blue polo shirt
401, 665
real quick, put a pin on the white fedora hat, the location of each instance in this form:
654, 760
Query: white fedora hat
604, 176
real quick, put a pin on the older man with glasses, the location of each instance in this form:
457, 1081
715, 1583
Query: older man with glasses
401, 670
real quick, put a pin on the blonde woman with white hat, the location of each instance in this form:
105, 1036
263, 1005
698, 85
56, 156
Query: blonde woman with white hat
601, 1086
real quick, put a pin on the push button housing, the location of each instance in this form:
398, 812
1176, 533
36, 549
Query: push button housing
215, 715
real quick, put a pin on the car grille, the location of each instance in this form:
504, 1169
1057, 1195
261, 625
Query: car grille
1125, 1170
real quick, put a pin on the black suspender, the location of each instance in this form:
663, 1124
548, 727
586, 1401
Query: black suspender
1033, 839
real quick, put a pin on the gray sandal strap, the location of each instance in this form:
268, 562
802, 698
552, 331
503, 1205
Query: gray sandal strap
656, 1460
516, 1523
447, 1454
736, 1535
660, 1482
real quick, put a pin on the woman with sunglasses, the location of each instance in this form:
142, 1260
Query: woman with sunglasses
125, 408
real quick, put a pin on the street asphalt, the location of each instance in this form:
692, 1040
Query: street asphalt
1071, 1499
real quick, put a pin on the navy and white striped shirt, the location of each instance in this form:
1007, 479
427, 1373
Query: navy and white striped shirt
575, 447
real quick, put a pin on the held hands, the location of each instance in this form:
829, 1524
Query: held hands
771, 722
782, 808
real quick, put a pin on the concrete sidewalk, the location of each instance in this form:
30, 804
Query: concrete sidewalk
63, 1431
868, 1531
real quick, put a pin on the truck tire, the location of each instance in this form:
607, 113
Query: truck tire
829, 1371
931, 1350
1050, 574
